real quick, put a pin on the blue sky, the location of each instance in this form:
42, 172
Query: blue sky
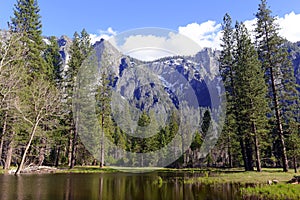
194, 24
64, 17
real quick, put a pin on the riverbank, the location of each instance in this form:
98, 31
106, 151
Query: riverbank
217, 175
269, 184
244, 178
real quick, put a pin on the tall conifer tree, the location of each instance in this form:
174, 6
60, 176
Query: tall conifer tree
80, 50
227, 70
276, 67
251, 91
27, 20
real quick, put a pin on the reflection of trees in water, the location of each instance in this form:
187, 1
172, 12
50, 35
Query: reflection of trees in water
100, 187
112, 186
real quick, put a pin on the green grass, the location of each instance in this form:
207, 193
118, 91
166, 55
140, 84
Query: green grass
280, 191
255, 178
86, 169
97, 169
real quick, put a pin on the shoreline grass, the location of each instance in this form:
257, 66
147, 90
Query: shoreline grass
85, 169
255, 184
217, 174
279, 191
243, 177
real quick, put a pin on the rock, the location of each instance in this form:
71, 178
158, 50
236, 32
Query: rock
295, 180
12, 171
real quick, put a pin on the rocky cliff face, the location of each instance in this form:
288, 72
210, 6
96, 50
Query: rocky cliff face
171, 79
64, 49
173, 75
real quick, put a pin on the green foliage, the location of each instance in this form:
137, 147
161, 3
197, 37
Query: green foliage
245, 90
279, 75
229, 136
144, 120
280, 191
206, 122
31, 29
80, 50
53, 60
197, 142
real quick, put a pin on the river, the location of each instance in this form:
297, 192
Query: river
112, 186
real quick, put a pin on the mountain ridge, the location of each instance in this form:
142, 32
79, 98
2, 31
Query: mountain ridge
199, 72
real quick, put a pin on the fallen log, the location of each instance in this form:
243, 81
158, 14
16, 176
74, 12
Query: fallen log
36, 170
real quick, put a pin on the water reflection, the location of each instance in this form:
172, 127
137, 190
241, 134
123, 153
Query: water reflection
114, 186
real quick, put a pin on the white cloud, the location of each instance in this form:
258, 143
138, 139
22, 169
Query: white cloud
250, 25
206, 34
290, 28
189, 40
288, 25
160, 43
105, 34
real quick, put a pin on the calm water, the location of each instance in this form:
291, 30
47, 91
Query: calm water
112, 186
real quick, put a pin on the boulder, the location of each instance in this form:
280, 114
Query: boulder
295, 180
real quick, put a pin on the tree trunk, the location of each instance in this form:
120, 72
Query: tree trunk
57, 156
42, 152
229, 152
102, 143
1, 145
279, 123
256, 147
70, 148
295, 164
142, 160
20, 167
3, 133
8, 155
74, 149
94, 163
183, 153
249, 153
242, 145
75, 140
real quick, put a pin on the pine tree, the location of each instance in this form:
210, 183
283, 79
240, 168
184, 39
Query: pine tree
27, 21
53, 60
294, 143
290, 110
227, 72
274, 58
80, 50
103, 111
251, 91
